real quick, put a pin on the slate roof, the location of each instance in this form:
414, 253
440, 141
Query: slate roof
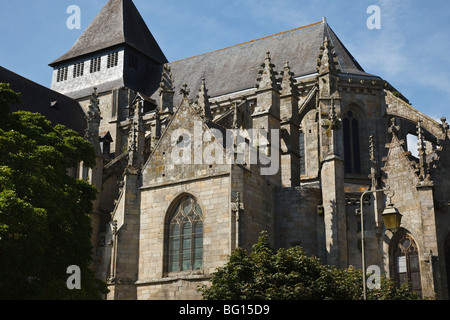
118, 23
236, 68
56, 107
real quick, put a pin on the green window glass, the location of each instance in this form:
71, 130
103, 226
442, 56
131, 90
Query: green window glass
186, 236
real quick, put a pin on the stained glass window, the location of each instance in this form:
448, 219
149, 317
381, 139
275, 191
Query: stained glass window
352, 150
186, 236
406, 260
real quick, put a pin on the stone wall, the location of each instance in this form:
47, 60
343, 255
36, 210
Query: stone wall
297, 221
415, 203
212, 195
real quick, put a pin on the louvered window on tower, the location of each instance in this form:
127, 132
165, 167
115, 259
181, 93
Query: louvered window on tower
78, 70
95, 64
62, 74
113, 60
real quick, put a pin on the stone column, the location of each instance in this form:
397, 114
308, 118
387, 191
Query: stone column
290, 125
331, 154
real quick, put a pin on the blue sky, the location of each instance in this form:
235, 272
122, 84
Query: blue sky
411, 50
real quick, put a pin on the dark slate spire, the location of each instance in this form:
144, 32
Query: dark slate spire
119, 22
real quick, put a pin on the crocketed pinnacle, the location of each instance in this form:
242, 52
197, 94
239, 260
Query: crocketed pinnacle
327, 61
267, 79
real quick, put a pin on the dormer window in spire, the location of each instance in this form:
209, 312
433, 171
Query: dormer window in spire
113, 60
95, 64
78, 70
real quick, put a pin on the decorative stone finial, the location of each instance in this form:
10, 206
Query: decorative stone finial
327, 60
393, 128
288, 83
184, 91
424, 170
444, 125
166, 84
136, 134
93, 118
166, 90
267, 80
374, 172
203, 102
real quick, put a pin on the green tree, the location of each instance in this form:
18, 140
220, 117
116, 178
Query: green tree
289, 274
44, 213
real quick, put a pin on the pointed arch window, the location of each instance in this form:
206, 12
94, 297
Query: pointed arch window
352, 153
301, 148
406, 261
185, 241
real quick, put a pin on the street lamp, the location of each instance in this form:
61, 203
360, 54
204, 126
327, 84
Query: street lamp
391, 218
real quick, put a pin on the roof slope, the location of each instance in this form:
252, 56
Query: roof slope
236, 68
37, 98
119, 22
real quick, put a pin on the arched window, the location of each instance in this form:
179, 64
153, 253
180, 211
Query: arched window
352, 152
301, 148
406, 261
185, 241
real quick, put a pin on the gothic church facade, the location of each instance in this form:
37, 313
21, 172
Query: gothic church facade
162, 227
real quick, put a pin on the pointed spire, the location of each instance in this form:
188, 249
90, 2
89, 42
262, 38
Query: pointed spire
393, 128
332, 117
118, 22
93, 118
235, 124
93, 113
166, 89
267, 80
136, 135
444, 125
203, 102
166, 84
333, 122
424, 173
374, 173
288, 83
327, 60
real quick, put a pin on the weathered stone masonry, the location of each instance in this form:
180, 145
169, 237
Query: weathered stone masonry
342, 131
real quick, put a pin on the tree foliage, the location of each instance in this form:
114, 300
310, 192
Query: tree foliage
289, 274
44, 213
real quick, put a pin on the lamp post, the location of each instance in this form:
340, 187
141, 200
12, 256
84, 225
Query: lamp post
391, 218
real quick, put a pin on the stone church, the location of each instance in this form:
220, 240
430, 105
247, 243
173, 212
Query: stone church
183, 182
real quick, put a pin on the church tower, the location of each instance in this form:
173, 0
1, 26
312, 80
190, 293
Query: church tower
118, 55
162, 226
119, 60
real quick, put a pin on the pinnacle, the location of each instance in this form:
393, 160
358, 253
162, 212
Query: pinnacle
287, 83
327, 59
267, 80
203, 101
